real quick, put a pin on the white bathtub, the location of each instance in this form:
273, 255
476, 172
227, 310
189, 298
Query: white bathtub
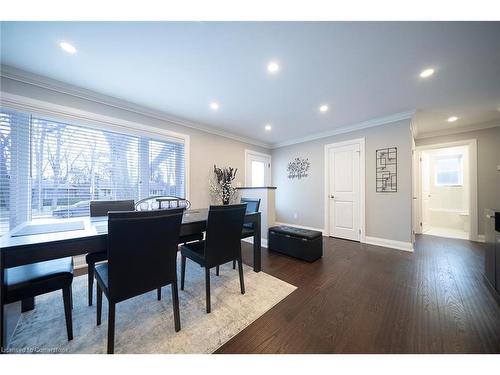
449, 218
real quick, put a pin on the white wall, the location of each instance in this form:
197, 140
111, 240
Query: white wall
388, 215
206, 149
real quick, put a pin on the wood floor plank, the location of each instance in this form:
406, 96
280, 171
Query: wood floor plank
366, 299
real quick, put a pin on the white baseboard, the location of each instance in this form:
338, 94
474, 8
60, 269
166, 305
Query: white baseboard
399, 245
300, 226
263, 241
480, 238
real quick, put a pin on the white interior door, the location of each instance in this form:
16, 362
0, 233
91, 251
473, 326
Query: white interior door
258, 169
344, 192
426, 190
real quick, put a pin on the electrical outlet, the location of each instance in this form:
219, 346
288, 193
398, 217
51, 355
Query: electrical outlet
295, 215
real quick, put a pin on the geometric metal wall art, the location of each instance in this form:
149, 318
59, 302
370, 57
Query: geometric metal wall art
298, 168
387, 170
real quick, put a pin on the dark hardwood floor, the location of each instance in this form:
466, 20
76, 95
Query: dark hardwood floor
367, 299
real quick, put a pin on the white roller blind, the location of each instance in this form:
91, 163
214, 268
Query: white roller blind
59, 167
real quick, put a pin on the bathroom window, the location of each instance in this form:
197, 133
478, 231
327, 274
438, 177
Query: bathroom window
449, 170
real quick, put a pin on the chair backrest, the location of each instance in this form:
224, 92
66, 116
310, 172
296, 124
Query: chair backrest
160, 202
253, 204
101, 208
223, 235
142, 251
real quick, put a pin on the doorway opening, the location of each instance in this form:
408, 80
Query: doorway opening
447, 185
257, 169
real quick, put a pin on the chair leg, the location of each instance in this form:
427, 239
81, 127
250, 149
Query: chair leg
175, 303
183, 271
217, 270
207, 286
111, 328
91, 268
99, 304
90, 276
67, 311
159, 294
242, 281
71, 295
234, 264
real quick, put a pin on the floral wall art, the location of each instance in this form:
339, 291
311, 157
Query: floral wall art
298, 168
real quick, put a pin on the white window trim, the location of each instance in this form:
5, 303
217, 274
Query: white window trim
97, 121
248, 155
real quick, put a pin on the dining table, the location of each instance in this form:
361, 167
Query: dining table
52, 238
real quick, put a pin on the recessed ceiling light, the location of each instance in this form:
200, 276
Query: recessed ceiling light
323, 108
214, 106
268, 127
273, 67
67, 47
426, 73
452, 119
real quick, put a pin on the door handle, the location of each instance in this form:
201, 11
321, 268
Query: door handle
332, 196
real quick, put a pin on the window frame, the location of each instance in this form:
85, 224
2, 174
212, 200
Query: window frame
58, 113
460, 182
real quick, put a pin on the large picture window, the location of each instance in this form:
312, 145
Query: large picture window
54, 169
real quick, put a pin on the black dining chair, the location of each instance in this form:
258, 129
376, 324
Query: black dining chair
222, 244
160, 202
35, 279
142, 256
253, 205
101, 208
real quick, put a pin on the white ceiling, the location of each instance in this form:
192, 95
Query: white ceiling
362, 70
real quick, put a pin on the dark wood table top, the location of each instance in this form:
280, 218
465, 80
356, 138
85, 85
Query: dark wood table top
93, 227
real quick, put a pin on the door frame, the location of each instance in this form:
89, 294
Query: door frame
473, 208
362, 166
248, 156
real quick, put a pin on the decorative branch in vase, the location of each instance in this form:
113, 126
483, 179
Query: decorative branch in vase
221, 188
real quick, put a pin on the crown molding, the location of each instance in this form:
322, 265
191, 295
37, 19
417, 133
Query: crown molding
462, 129
22, 76
349, 128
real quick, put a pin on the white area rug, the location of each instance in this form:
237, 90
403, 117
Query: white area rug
146, 325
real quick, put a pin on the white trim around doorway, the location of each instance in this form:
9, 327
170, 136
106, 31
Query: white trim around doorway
258, 155
362, 166
473, 210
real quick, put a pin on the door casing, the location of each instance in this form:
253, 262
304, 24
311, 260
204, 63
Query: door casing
473, 207
362, 225
259, 156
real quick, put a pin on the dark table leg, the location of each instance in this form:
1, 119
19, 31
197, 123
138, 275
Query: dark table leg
28, 304
256, 245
